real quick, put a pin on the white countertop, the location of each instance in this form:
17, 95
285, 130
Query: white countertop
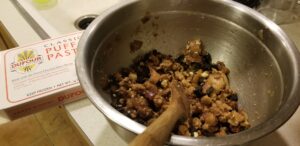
94, 124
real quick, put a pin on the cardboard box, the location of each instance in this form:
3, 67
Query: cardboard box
38, 76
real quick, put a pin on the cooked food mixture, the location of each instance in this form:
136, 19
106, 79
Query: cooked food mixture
142, 92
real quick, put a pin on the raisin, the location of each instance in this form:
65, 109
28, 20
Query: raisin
185, 66
155, 52
152, 106
143, 73
168, 95
195, 66
140, 120
180, 60
161, 71
112, 80
146, 57
215, 66
140, 79
201, 81
207, 58
196, 114
206, 66
221, 124
158, 84
198, 92
125, 72
233, 97
209, 90
181, 120
208, 134
192, 129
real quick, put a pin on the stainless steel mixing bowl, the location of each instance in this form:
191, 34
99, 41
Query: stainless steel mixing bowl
264, 63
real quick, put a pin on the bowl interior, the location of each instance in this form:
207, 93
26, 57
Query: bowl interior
255, 74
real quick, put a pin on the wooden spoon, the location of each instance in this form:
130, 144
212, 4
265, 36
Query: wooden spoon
159, 131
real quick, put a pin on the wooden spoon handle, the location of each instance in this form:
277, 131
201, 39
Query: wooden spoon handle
160, 130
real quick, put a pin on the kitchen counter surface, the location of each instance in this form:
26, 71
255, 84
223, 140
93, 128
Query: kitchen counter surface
94, 125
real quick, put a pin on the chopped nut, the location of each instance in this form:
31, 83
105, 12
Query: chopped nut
176, 66
154, 60
245, 124
186, 74
132, 76
205, 126
216, 110
195, 134
129, 103
223, 106
218, 81
206, 100
158, 100
149, 95
154, 76
192, 51
224, 117
222, 132
205, 74
118, 76
151, 87
125, 82
185, 83
235, 118
164, 83
166, 63
190, 90
179, 75
183, 130
165, 77
133, 114
210, 119
196, 77
137, 87
197, 123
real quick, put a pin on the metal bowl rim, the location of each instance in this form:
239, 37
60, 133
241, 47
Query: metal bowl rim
285, 112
